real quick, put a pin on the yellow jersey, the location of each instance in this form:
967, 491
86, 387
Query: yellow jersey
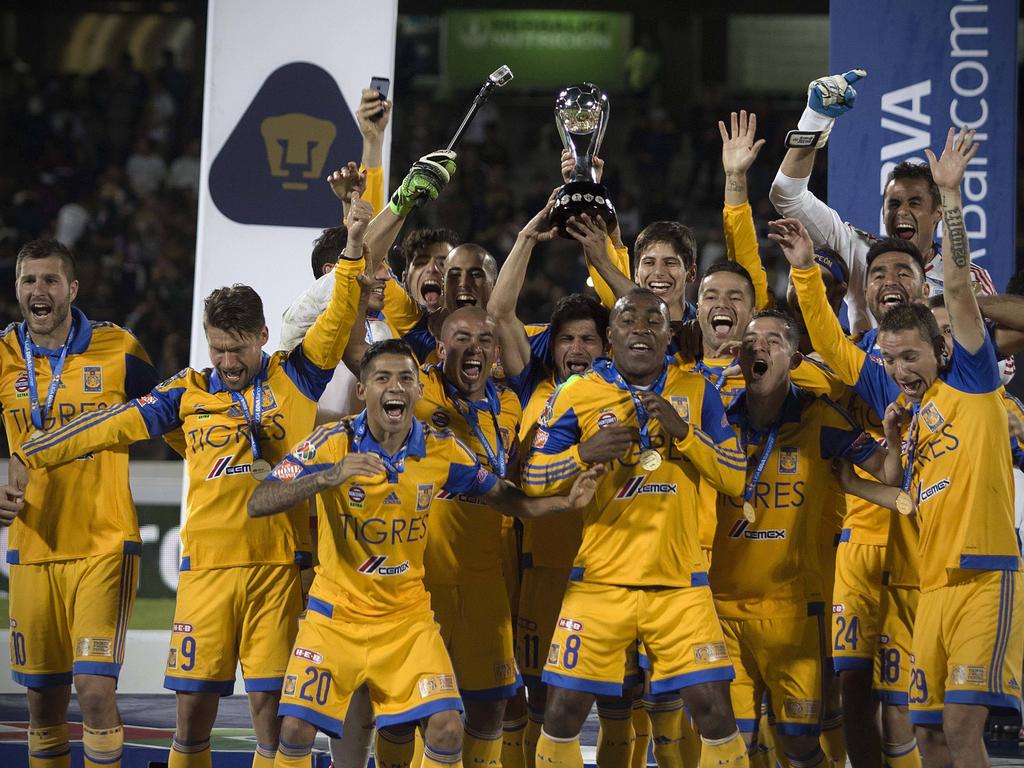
85, 507
769, 568
640, 530
218, 531
372, 535
465, 534
962, 476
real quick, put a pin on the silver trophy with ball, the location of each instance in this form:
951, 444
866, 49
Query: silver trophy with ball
581, 114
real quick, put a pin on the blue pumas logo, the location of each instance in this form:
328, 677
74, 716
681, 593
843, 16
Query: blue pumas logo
296, 131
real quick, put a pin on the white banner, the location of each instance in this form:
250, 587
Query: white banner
283, 80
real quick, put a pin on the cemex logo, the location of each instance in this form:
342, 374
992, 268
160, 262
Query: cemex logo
297, 129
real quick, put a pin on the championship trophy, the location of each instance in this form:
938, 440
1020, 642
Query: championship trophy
581, 114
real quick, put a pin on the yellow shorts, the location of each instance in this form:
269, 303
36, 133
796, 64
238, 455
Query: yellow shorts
226, 615
599, 625
70, 617
783, 657
402, 660
892, 662
855, 603
968, 645
540, 599
476, 626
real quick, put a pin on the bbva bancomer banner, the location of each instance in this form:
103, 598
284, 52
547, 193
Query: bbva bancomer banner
931, 64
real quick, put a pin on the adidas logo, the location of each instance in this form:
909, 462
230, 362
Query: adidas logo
392, 498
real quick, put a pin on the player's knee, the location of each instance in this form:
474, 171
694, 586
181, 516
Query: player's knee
963, 725
896, 725
97, 700
930, 739
297, 732
855, 683
444, 732
48, 706
565, 712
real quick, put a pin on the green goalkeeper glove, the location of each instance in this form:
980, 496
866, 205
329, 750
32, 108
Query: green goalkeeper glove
425, 180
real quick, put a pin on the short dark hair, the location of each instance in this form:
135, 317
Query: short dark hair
419, 239
789, 328
909, 170
679, 236
43, 248
577, 306
638, 291
385, 347
725, 265
236, 309
327, 248
893, 245
912, 317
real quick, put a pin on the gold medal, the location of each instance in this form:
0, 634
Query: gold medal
260, 469
748, 511
36, 434
904, 503
650, 459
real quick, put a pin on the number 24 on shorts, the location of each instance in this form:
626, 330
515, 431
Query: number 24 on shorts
846, 633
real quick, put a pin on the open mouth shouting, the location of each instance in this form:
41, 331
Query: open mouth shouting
891, 296
430, 290
40, 310
465, 299
758, 368
904, 230
472, 369
234, 378
913, 387
722, 323
394, 409
575, 364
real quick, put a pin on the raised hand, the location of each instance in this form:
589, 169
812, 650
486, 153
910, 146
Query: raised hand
834, 95
794, 241
948, 170
568, 164
608, 444
359, 214
425, 180
590, 233
346, 181
373, 114
539, 228
739, 149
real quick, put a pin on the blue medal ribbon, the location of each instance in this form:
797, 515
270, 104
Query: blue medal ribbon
393, 465
28, 351
642, 416
257, 411
769, 446
716, 380
908, 471
468, 411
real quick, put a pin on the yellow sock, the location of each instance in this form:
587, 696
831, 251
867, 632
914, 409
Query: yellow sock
512, 732
558, 753
534, 723
393, 750
433, 758
615, 737
902, 755
264, 756
480, 750
833, 741
49, 747
642, 734
291, 757
667, 732
186, 754
689, 743
103, 746
729, 752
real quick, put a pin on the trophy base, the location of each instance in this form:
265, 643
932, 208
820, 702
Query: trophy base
579, 197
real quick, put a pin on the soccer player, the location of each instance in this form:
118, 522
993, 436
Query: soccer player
239, 594
639, 573
910, 202
424, 252
764, 569
74, 541
378, 475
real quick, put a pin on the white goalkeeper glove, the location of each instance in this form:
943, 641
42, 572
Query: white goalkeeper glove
827, 98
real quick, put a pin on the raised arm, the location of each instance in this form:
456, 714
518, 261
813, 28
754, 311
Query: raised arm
274, 494
598, 251
948, 172
739, 150
515, 346
1006, 310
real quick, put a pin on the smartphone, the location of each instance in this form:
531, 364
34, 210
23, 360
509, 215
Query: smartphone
381, 86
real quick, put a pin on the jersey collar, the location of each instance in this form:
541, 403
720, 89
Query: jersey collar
81, 335
415, 441
792, 409
216, 385
490, 391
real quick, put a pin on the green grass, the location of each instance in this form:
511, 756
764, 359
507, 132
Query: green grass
149, 613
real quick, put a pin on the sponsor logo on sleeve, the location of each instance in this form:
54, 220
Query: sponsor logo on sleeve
286, 470
147, 400
540, 438
304, 451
